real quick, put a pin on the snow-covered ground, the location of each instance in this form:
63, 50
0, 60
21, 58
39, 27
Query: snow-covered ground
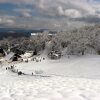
74, 78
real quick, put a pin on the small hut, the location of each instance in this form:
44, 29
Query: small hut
16, 57
2, 52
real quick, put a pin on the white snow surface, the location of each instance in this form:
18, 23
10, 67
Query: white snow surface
74, 78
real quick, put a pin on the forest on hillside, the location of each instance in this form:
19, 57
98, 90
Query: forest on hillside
75, 42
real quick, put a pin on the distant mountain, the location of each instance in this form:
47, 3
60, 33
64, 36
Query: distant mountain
8, 30
20, 32
14, 32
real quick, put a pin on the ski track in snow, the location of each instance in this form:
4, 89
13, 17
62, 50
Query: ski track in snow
56, 87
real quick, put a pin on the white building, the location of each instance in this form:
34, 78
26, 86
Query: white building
34, 34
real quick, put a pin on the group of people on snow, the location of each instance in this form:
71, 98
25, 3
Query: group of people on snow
13, 69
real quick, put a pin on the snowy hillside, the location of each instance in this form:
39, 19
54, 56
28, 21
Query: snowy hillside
84, 66
70, 78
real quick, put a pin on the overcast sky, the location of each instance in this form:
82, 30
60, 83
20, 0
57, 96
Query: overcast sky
49, 14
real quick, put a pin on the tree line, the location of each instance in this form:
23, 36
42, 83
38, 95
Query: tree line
76, 42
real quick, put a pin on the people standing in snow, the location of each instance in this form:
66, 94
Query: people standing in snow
20, 73
6, 68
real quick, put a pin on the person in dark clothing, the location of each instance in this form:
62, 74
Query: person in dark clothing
12, 67
26, 61
43, 58
20, 73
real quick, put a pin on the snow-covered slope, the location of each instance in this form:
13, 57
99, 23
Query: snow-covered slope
86, 66
13, 87
74, 78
